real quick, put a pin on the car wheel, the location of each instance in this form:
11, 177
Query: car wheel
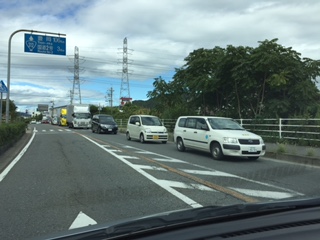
115, 132
99, 130
92, 130
216, 151
164, 142
141, 138
253, 158
180, 145
128, 136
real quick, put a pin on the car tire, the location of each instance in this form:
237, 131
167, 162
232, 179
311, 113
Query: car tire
253, 158
164, 142
180, 145
142, 138
115, 132
92, 130
216, 151
99, 130
128, 136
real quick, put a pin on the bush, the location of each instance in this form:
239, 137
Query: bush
9, 133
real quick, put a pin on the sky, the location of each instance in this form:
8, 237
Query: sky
160, 35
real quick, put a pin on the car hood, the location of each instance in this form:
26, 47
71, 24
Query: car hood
184, 217
155, 128
242, 134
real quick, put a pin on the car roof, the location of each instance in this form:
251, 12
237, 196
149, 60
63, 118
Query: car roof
106, 115
143, 115
204, 117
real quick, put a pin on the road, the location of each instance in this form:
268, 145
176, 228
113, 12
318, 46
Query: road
68, 178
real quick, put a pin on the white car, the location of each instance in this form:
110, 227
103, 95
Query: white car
219, 136
146, 128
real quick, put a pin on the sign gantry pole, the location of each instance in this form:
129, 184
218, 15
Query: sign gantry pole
9, 63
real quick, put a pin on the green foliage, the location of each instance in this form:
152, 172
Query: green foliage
241, 82
12, 108
281, 148
11, 132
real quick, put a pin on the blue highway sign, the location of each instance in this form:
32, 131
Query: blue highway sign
3, 87
44, 44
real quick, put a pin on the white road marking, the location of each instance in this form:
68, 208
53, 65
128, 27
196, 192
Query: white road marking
151, 167
176, 184
169, 160
82, 220
263, 194
212, 172
51, 130
209, 173
129, 157
144, 152
177, 194
4, 173
43, 130
253, 181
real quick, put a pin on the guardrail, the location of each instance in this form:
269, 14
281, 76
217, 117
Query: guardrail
295, 129
285, 128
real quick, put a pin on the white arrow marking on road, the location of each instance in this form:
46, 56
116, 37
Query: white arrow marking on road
82, 220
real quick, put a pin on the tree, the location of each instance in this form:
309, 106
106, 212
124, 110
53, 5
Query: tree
242, 82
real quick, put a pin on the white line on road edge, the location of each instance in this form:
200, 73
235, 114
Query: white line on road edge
177, 194
82, 220
10, 166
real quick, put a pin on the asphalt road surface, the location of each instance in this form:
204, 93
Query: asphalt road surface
68, 178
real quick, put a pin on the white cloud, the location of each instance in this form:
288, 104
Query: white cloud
160, 35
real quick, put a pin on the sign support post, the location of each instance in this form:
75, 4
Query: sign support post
9, 63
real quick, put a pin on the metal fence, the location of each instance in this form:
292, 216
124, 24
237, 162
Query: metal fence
284, 128
280, 128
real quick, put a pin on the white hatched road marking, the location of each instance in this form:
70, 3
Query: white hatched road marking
212, 172
151, 167
164, 185
263, 194
195, 186
169, 160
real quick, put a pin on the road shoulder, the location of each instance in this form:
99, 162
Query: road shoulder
13, 151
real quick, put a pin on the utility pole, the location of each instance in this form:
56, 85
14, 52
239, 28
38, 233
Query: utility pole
125, 90
76, 80
109, 96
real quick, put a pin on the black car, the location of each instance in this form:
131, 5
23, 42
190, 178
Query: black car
102, 123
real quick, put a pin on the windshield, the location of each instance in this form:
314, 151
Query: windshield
113, 110
82, 115
220, 123
107, 120
151, 121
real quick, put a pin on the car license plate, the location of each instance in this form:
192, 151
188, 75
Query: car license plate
155, 137
110, 129
252, 149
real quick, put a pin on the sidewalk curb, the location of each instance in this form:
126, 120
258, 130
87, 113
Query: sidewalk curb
305, 160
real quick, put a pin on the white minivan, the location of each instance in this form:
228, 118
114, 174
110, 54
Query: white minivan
146, 128
217, 135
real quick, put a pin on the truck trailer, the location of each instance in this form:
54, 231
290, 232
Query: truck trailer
78, 116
